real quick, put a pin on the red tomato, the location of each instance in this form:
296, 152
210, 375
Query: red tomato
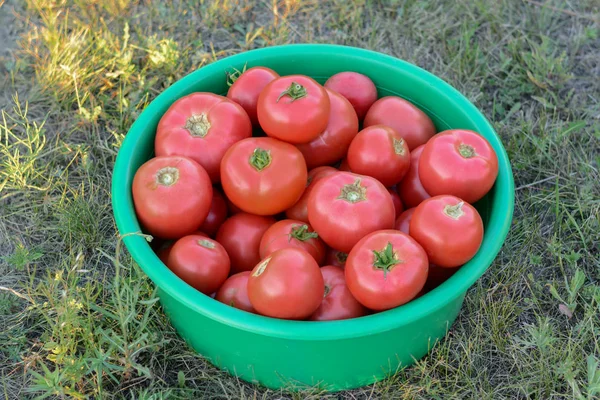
263, 176
216, 215
200, 262
234, 292
449, 230
172, 196
287, 284
403, 221
332, 144
299, 210
386, 269
338, 302
292, 233
247, 87
413, 125
398, 206
293, 108
202, 126
380, 152
458, 162
357, 88
240, 235
410, 189
437, 276
344, 207
335, 258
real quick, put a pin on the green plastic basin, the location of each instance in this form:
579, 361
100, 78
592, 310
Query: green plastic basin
333, 355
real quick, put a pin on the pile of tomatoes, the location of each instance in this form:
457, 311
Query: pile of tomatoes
255, 205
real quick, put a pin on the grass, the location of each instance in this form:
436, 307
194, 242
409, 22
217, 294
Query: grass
79, 319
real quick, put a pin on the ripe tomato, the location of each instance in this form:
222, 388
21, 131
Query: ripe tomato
386, 269
412, 124
202, 126
216, 215
247, 87
287, 284
240, 235
357, 88
172, 196
437, 276
403, 221
263, 176
398, 206
335, 258
299, 210
292, 233
458, 162
200, 262
410, 189
449, 230
344, 207
380, 152
332, 144
338, 303
293, 108
234, 292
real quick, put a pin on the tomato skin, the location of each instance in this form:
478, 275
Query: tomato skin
332, 144
287, 284
292, 233
468, 173
403, 221
410, 189
247, 87
240, 235
336, 258
398, 206
234, 292
357, 88
216, 215
292, 120
267, 191
400, 284
228, 123
199, 261
338, 303
412, 124
380, 152
170, 211
299, 210
449, 230
340, 222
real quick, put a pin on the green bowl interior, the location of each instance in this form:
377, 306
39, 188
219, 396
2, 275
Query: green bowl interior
446, 107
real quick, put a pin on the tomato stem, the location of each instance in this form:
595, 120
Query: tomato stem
167, 176
234, 76
295, 91
301, 233
327, 290
353, 193
399, 146
209, 244
260, 159
466, 150
261, 267
385, 259
341, 257
455, 211
197, 125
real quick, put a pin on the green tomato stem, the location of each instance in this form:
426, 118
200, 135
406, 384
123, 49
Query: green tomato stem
301, 233
353, 193
466, 150
260, 159
197, 125
385, 259
455, 211
295, 91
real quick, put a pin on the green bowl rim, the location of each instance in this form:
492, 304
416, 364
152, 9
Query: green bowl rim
456, 286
